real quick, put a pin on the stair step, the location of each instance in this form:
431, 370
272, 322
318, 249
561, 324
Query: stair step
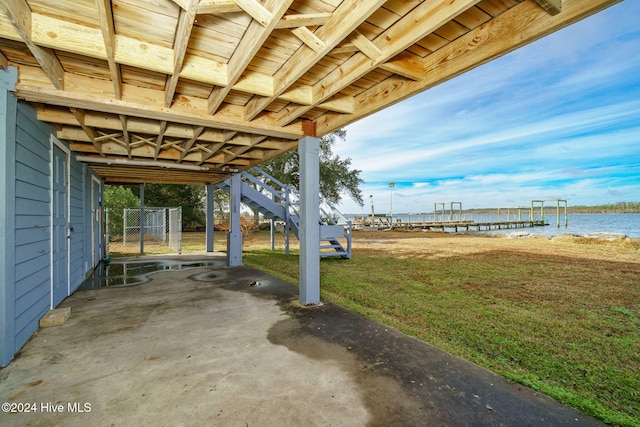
328, 254
331, 247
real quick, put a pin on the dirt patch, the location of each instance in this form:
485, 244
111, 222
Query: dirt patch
419, 244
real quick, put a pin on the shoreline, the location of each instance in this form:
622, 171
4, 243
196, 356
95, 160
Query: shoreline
597, 235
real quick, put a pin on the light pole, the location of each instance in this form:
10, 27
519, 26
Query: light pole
373, 215
391, 185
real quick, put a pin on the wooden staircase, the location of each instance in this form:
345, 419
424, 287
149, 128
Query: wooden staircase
279, 202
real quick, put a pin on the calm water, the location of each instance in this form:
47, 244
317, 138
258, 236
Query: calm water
579, 224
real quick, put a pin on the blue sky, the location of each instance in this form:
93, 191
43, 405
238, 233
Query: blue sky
559, 118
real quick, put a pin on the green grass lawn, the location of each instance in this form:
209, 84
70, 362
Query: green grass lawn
567, 327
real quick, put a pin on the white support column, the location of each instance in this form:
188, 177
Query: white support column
234, 238
309, 150
210, 217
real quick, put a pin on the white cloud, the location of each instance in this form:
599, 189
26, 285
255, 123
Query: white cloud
560, 117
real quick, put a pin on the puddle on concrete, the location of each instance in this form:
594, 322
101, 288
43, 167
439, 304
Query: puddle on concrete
135, 272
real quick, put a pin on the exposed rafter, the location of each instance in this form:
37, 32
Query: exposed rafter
553, 7
19, 13
344, 20
425, 18
251, 42
108, 35
180, 44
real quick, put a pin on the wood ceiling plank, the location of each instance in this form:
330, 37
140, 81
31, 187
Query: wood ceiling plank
218, 6
473, 18
67, 36
497, 7
152, 22
144, 55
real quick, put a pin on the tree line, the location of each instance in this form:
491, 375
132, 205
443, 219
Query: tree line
619, 207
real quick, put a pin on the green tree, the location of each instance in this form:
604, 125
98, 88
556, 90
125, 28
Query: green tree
336, 175
192, 199
116, 198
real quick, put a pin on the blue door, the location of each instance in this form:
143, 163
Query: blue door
59, 286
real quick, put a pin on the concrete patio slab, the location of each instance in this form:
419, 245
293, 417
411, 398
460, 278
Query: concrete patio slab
209, 346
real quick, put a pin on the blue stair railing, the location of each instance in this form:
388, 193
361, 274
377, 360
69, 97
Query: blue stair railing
278, 201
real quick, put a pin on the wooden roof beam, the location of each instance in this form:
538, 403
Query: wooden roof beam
4, 62
272, 154
405, 64
422, 20
251, 142
191, 112
180, 44
187, 145
141, 141
343, 22
256, 11
365, 45
19, 13
253, 39
79, 115
303, 20
125, 134
309, 38
339, 104
159, 138
227, 136
553, 7
206, 155
515, 28
108, 34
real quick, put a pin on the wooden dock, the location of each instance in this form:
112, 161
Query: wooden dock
457, 226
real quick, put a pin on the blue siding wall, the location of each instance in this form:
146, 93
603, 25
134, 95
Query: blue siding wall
80, 221
33, 221
25, 222
8, 113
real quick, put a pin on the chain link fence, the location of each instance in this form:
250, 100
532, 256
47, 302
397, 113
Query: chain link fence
149, 230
